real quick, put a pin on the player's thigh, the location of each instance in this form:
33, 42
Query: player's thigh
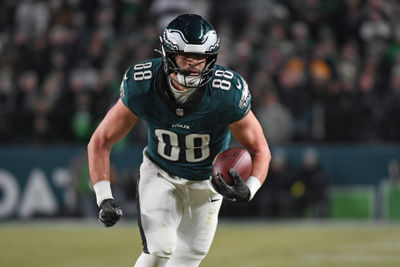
159, 211
157, 196
197, 229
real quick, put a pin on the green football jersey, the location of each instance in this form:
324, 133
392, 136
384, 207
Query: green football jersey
183, 139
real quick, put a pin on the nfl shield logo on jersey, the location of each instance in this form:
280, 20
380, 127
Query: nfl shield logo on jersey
179, 112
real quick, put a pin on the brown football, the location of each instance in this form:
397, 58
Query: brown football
235, 157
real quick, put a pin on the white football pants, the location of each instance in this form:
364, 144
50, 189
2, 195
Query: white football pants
177, 218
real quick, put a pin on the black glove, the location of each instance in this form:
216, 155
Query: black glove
110, 212
238, 192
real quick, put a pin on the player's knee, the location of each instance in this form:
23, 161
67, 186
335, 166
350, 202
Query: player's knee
164, 243
197, 252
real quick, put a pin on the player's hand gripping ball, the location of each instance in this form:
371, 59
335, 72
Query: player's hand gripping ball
231, 168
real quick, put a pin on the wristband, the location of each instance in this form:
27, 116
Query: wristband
102, 190
254, 184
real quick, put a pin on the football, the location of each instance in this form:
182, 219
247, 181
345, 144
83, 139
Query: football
235, 157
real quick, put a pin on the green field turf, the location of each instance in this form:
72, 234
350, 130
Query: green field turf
78, 244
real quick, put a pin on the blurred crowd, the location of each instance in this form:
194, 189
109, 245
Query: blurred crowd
319, 70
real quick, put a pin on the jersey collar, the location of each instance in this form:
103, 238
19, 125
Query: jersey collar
162, 88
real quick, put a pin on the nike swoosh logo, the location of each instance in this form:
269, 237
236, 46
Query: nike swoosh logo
215, 199
239, 85
126, 76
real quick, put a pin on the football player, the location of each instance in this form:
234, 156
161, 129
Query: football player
190, 105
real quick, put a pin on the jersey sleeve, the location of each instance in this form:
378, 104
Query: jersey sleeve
136, 84
242, 100
123, 89
237, 100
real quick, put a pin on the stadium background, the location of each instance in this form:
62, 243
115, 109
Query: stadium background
325, 80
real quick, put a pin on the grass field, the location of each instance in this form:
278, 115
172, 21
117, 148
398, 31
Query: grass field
261, 244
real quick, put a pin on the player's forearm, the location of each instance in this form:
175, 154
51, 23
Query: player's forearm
99, 168
261, 159
99, 160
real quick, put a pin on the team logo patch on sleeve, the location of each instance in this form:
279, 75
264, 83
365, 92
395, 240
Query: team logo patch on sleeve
245, 95
121, 90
